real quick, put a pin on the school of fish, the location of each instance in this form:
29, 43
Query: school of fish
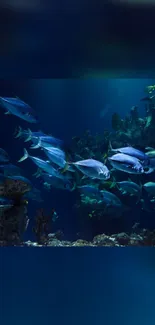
58, 170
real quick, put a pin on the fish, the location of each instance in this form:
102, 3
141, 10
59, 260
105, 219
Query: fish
56, 156
5, 203
110, 198
10, 170
58, 182
90, 191
4, 157
42, 164
129, 187
130, 151
93, 168
47, 141
150, 188
126, 163
28, 134
19, 108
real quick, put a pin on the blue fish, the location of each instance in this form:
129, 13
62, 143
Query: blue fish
42, 164
10, 170
58, 182
28, 135
46, 141
4, 157
93, 168
17, 107
126, 163
56, 156
130, 151
90, 191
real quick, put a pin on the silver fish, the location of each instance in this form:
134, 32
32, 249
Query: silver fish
56, 155
130, 151
126, 163
42, 164
16, 106
93, 168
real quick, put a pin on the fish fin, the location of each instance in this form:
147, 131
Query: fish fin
18, 133
84, 177
38, 145
7, 113
74, 187
25, 156
29, 136
38, 173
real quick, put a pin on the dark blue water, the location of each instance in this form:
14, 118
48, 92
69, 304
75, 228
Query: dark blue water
77, 285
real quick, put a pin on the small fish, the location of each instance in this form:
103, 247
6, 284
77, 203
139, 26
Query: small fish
56, 156
5, 203
130, 151
4, 157
126, 163
17, 107
150, 188
93, 168
42, 164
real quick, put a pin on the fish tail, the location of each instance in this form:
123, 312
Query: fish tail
29, 136
25, 156
38, 145
65, 168
18, 133
114, 183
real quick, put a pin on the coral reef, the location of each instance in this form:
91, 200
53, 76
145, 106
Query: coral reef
142, 238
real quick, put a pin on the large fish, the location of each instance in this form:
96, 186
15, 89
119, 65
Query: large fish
130, 151
126, 163
93, 168
17, 107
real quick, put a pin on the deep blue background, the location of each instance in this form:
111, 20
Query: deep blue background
77, 286
75, 38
